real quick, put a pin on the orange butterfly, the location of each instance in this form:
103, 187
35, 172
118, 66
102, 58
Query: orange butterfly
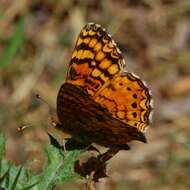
99, 101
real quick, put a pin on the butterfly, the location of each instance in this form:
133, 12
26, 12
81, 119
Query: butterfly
100, 102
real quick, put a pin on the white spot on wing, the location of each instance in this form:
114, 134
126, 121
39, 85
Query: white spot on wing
98, 26
150, 116
151, 103
118, 50
91, 23
136, 76
145, 129
112, 41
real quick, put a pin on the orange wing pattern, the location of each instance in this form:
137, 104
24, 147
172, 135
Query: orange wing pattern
90, 122
95, 59
128, 99
97, 66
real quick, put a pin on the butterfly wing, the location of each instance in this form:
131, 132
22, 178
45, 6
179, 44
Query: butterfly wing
97, 67
88, 121
128, 99
95, 59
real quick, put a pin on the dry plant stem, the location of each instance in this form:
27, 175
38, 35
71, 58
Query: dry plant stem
90, 185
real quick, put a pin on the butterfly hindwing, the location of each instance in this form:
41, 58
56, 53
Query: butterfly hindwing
89, 121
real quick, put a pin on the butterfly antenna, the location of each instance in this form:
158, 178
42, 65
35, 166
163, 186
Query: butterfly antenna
44, 101
22, 128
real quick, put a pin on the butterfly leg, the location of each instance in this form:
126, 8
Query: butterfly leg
112, 151
108, 154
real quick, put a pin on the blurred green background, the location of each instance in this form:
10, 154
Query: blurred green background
36, 42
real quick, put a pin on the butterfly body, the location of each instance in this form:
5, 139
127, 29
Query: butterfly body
99, 101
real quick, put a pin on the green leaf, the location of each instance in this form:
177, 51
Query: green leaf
5, 173
60, 166
29, 180
55, 161
14, 44
30, 186
12, 177
67, 170
5, 177
13, 187
2, 146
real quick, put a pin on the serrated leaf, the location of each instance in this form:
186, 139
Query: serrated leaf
55, 161
67, 170
60, 165
14, 44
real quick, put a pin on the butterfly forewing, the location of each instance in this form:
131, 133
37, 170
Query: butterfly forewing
95, 59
